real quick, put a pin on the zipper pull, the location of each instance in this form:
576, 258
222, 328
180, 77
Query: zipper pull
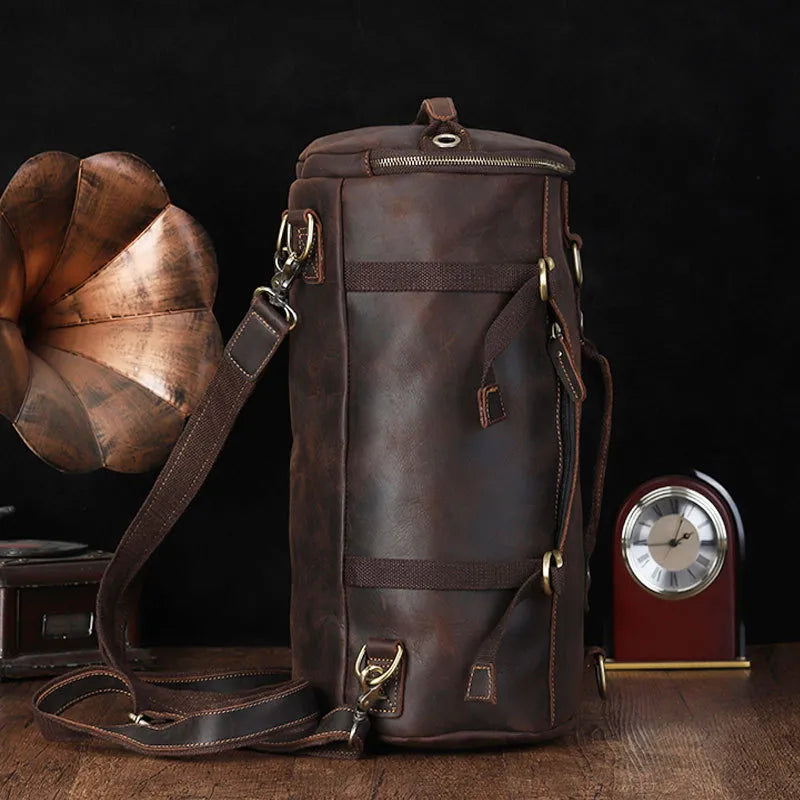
564, 365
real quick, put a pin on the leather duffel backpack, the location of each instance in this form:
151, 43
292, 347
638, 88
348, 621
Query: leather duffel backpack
439, 554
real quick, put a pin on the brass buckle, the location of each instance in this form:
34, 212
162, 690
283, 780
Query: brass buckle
550, 556
578, 264
371, 678
546, 265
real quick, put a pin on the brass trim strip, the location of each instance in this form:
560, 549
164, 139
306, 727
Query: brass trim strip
619, 666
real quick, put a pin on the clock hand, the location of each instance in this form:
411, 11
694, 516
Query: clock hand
674, 541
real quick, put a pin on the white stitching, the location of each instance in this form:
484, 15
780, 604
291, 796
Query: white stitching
72, 702
490, 687
395, 683
238, 334
575, 394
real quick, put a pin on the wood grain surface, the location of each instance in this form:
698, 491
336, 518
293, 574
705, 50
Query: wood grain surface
729, 735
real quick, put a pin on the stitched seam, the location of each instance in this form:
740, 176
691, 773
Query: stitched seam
241, 330
560, 356
567, 335
82, 676
215, 712
545, 215
137, 524
553, 661
165, 523
191, 678
575, 471
491, 390
345, 450
395, 681
482, 407
474, 669
316, 256
230, 709
90, 694
338, 708
560, 448
180, 747
201, 471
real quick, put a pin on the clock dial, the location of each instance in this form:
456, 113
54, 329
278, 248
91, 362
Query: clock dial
674, 542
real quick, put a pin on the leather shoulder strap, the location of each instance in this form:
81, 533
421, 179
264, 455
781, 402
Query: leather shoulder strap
186, 714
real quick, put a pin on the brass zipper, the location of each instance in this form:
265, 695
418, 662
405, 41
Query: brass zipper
408, 162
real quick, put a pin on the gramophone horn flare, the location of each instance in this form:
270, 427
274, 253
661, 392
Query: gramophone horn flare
107, 339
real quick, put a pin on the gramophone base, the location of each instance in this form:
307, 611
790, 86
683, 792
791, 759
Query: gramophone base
42, 665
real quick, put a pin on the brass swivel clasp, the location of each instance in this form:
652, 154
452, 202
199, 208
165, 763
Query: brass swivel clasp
371, 678
288, 264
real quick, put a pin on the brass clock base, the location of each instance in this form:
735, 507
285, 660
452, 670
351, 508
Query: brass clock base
737, 663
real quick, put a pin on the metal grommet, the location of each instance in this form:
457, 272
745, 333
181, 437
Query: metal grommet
554, 556
576, 256
447, 140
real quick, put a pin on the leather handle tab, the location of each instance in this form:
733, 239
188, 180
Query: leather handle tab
436, 109
439, 116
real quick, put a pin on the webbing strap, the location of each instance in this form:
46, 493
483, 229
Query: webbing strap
186, 714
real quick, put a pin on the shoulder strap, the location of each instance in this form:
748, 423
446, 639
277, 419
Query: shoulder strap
182, 714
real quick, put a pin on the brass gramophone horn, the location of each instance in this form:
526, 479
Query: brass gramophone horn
107, 340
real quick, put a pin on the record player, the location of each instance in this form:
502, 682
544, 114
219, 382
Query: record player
48, 591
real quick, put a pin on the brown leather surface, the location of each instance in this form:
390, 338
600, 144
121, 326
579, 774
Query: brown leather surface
443, 218
423, 480
406, 137
318, 391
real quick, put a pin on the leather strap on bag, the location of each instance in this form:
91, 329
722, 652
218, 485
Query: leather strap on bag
185, 714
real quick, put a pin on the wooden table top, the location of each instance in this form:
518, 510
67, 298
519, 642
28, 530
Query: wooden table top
661, 735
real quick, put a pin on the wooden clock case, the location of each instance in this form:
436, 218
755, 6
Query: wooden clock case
704, 630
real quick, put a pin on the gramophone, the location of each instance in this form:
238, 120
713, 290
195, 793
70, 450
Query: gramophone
107, 343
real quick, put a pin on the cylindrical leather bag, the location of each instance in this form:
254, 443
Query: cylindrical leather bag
420, 504
438, 546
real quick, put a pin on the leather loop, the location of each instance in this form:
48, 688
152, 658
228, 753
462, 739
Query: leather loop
591, 353
439, 116
436, 109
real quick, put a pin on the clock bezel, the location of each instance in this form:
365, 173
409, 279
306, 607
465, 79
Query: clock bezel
707, 505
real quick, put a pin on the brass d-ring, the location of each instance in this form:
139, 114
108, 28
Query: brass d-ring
546, 264
576, 257
285, 237
600, 675
282, 232
554, 556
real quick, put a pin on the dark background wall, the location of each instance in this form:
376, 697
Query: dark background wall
683, 118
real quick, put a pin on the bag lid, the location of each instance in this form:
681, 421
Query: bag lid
435, 142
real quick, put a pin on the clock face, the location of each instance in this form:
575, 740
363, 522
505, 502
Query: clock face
674, 542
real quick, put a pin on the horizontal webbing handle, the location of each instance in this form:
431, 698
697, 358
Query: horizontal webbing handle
443, 576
